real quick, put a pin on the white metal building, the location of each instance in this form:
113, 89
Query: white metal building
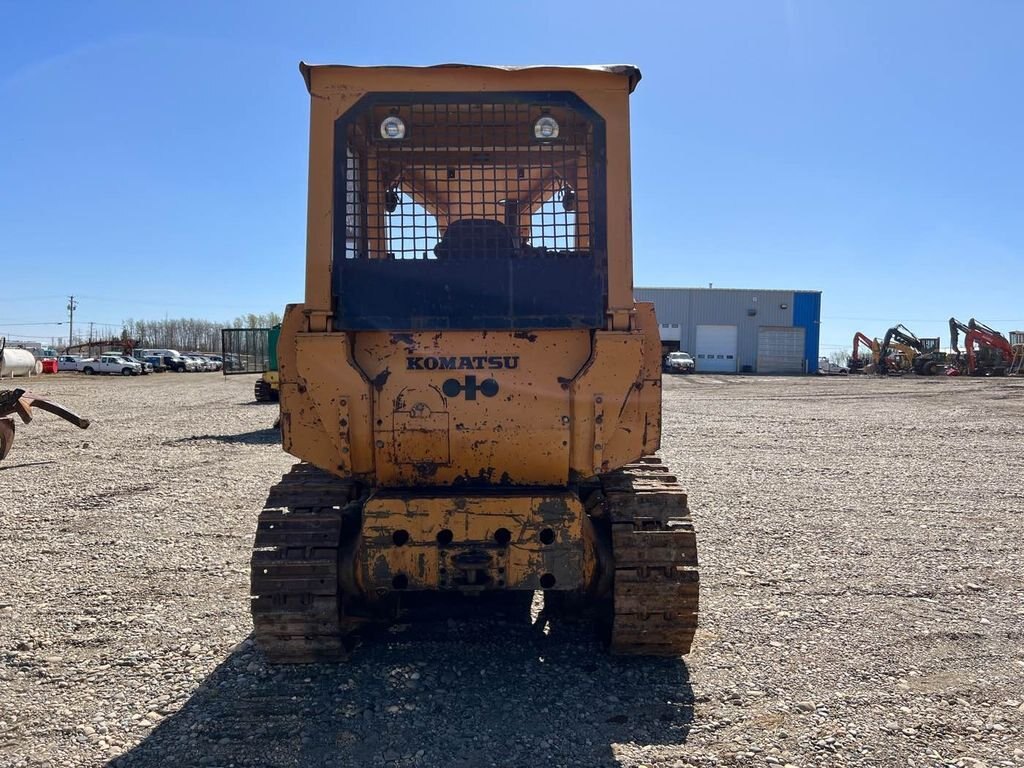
729, 330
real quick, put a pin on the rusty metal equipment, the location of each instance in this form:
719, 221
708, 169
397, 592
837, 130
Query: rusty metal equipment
472, 392
122, 344
20, 402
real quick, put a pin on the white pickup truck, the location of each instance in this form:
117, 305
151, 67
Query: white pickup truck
110, 364
69, 363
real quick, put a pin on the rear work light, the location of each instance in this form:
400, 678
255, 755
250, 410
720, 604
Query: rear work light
546, 128
392, 127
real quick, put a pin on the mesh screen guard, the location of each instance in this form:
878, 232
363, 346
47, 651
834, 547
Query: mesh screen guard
463, 217
245, 350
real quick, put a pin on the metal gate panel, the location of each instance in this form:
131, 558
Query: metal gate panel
246, 350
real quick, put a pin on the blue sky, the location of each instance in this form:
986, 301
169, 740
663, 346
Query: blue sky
153, 155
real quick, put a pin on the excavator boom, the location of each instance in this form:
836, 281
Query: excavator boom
856, 364
901, 338
955, 329
979, 337
859, 339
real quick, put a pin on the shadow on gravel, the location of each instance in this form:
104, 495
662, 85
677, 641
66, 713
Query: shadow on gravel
457, 694
268, 436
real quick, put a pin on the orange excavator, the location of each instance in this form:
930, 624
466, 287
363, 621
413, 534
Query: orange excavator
856, 364
988, 353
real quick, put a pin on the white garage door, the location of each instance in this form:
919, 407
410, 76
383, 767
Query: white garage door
780, 350
670, 332
716, 348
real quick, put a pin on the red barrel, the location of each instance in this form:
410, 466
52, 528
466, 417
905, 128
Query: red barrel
49, 365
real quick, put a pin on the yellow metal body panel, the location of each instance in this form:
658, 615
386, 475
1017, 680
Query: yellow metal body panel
549, 535
617, 398
273, 379
905, 360
575, 404
326, 407
503, 419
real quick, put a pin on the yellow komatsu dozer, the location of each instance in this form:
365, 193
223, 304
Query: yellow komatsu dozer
471, 390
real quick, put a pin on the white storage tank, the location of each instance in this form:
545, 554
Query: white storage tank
18, 362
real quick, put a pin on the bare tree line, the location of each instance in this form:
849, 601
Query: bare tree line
190, 333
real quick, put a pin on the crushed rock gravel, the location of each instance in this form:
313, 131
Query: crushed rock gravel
862, 604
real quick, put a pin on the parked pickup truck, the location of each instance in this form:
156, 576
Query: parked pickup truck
69, 363
111, 364
677, 362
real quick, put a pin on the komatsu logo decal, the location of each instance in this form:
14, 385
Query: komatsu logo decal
463, 363
469, 387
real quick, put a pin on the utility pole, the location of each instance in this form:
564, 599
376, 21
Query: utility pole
72, 306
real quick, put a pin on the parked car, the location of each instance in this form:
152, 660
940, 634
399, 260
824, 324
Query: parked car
145, 368
214, 361
176, 363
204, 363
678, 362
192, 363
69, 363
828, 368
170, 359
111, 364
162, 352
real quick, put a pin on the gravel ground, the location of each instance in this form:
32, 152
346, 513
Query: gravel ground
862, 596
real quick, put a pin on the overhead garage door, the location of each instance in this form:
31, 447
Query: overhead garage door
716, 348
780, 350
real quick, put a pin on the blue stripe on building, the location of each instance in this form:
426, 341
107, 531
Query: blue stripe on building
807, 315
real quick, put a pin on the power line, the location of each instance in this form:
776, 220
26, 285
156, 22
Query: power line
32, 337
19, 325
106, 300
36, 298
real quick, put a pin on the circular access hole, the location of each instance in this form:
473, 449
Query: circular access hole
547, 581
444, 537
401, 581
503, 536
399, 537
547, 536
